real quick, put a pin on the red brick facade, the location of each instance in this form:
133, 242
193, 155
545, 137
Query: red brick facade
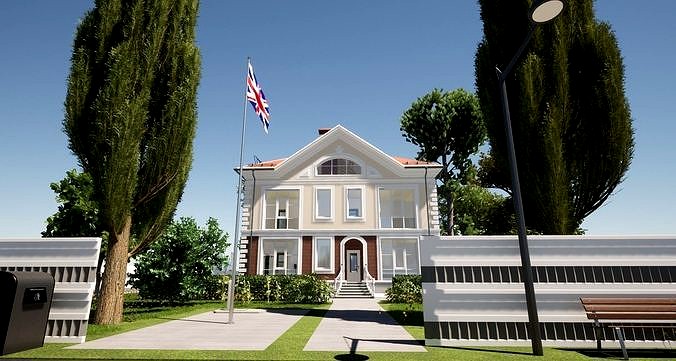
307, 250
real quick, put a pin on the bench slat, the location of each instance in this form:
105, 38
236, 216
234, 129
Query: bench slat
631, 316
629, 308
628, 301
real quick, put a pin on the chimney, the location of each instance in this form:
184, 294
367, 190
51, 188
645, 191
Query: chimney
322, 131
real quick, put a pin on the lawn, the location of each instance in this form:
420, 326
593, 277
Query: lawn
290, 345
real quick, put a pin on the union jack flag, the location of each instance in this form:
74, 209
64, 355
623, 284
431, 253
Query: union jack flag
255, 95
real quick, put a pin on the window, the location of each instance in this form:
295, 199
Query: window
323, 208
354, 203
279, 256
399, 256
281, 209
323, 255
397, 208
338, 166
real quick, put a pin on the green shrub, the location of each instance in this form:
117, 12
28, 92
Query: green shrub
283, 288
405, 289
178, 265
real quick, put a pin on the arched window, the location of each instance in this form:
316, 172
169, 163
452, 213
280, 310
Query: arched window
338, 166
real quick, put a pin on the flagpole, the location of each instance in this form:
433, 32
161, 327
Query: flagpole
235, 245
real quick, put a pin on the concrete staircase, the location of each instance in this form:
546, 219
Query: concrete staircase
354, 290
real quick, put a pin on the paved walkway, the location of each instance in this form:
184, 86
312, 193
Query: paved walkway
350, 325
354, 325
252, 330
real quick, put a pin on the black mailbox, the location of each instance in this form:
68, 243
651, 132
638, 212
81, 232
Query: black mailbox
25, 300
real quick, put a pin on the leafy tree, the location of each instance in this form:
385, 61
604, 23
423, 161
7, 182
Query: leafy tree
130, 116
480, 211
78, 213
178, 265
571, 119
448, 127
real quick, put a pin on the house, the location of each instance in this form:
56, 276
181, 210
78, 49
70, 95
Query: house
339, 207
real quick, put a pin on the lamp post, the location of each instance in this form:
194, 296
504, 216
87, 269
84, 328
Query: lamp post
542, 11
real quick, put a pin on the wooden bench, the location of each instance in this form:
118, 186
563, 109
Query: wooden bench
639, 310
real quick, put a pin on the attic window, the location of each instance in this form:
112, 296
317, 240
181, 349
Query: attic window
338, 166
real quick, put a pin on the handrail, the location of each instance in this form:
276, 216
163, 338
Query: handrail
339, 280
370, 282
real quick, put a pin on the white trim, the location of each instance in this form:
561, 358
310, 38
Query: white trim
364, 252
416, 203
332, 204
332, 255
394, 256
346, 214
264, 207
337, 155
261, 245
340, 133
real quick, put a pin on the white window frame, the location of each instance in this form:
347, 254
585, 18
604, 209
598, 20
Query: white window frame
347, 203
332, 256
261, 254
394, 256
339, 156
317, 217
416, 210
265, 206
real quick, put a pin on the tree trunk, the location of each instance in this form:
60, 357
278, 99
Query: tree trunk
110, 302
99, 270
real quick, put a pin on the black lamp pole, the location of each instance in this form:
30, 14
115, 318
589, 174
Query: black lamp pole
541, 12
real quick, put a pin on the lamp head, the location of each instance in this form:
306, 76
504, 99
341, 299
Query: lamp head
545, 10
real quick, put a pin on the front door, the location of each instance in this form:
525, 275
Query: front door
353, 266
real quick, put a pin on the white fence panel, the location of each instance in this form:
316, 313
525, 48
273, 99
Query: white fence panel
72, 262
473, 292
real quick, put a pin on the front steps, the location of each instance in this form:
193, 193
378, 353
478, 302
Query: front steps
354, 290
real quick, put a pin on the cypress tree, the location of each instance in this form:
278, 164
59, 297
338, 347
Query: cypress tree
571, 120
130, 117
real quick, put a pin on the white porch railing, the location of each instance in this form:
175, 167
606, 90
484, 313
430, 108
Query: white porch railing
370, 282
339, 280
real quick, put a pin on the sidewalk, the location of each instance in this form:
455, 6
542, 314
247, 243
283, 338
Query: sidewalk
252, 330
350, 325
355, 324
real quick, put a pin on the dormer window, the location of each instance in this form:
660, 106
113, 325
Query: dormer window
339, 166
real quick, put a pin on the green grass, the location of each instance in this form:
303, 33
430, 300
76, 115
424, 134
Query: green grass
290, 345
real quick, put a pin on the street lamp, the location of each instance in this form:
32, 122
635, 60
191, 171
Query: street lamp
542, 11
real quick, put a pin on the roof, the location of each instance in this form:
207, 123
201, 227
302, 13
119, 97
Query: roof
412, 162
267, 164
396, 164
403, 160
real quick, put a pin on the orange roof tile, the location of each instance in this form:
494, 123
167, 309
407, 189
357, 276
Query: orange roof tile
266, 164
409, 161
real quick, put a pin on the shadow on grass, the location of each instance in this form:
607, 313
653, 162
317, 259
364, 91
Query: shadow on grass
613, 354
488, 350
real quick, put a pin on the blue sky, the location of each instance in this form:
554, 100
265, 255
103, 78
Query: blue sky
355, 63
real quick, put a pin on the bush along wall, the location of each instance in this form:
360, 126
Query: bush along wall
307, 288
405, 289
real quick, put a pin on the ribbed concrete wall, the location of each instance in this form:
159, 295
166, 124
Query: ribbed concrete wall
473, 291
72, 263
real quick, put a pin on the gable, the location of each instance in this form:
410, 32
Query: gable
371, 167
341, 142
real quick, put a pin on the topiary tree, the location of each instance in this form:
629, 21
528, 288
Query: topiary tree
448, 128
571, 120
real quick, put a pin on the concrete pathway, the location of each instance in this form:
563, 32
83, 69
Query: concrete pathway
360, 324
252, 330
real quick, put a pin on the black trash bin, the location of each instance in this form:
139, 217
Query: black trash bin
25, 300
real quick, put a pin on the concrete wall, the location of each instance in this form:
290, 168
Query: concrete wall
72, 263
473, 290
